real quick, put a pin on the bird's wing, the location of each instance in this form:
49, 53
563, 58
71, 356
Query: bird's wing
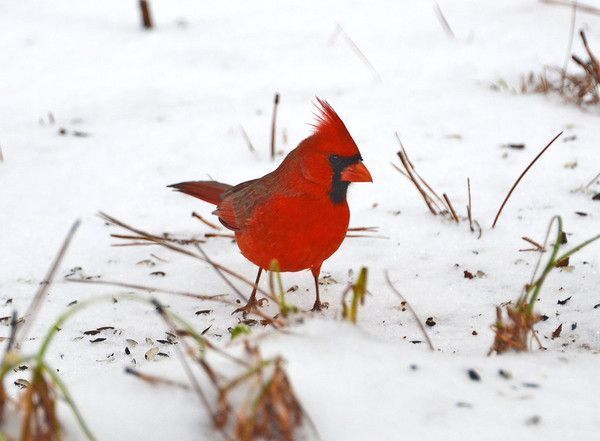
239, 202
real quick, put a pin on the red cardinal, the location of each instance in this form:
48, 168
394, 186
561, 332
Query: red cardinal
298, 213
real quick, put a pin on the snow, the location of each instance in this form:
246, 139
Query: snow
166, 105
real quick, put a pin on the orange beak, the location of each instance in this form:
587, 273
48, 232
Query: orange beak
356, 173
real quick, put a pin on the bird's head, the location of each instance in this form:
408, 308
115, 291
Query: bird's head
334, 156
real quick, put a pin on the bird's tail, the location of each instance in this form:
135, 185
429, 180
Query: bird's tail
209, 191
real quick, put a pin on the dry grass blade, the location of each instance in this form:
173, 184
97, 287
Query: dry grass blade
206, 222
369, 229
155, 380
410, 308
470, 206
195, 385
13, 333
426, 198
35, 304
163, 242
451, 208
247, 138
569, 46
357, 51
223, 235
435, 203
538, 247
276, 323
146, 16
443, 21
580, 6
521, 177
273, 125
151, 240
592, 182
215, 298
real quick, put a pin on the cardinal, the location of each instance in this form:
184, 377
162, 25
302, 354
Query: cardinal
298, 214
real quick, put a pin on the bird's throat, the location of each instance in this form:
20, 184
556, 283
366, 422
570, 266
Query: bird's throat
339, 189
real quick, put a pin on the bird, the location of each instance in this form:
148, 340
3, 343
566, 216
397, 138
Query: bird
297, 214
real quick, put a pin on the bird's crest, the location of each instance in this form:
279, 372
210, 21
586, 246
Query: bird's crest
331, 130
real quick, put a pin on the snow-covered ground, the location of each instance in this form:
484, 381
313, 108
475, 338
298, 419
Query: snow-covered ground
166, 105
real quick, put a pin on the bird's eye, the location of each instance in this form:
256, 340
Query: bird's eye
334, 158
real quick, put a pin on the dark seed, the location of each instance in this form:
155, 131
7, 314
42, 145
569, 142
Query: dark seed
92, 332
473, 375
505, 374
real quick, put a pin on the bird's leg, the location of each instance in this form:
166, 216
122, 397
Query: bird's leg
318, 306
252, 302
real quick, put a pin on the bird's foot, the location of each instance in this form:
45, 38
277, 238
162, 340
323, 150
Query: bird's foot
318, 306
252, 306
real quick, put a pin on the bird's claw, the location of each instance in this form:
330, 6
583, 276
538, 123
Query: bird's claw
318, 306
251, 306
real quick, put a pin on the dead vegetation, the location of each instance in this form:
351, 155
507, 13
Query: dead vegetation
438, 206
581, 87
36, 405
514, 327
256, 401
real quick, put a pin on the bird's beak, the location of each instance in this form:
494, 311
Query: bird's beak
356, 173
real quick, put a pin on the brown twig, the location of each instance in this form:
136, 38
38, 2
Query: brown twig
593, 60
521, 177
537, 246
273, 125
154, 380
146, 16
414, 176
225, 235
443, 21
402, 172
369, 229
469, 206
206, 222
410, 308
161, 241
153, 238
451, 208
428, 201
35, 304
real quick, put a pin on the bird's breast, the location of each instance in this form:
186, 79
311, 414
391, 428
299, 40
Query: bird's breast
300, 232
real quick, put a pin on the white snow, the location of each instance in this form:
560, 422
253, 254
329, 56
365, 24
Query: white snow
166, 105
